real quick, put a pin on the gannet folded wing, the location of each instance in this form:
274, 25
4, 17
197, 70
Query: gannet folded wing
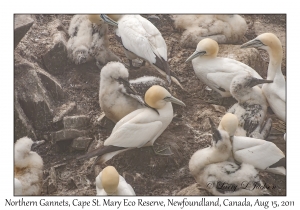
259, 153
134, 134
221, 80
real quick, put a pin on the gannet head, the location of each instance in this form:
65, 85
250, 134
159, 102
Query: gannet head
266, 41
206, 47
80, 54
23, 154
94, 18
110, 180
157, 96
241, 85
23, 146
114, 70
229, 123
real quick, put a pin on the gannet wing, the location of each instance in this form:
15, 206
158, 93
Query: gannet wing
221, 80
134, 134
155, 39
259, 153
136, 39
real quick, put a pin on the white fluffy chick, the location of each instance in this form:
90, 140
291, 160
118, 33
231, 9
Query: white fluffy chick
28, 167
224, 29
88, 41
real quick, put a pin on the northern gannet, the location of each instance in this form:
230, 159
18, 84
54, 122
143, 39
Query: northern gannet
210, 168
274, 92
28, 167
216, 72
224, 29
263, 155
109, 182
118, 96
141, 39
251, 107
139, 128
88, 41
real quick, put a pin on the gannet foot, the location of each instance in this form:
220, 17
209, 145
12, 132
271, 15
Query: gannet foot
162, 150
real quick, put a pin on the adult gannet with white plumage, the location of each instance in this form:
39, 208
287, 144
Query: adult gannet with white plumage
141, 39
216, 72
118, 96
139, 128
251, 107
274, 92
28, 167
263, 155
210, 168
109, 182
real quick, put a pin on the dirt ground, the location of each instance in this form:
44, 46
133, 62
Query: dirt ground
189, 131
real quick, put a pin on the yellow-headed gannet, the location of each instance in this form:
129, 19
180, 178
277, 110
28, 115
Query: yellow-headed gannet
109, 182
118, 96
224, 29
28, 167
216, 72
251, 108
88, 41
139, 128
210, 168
274, 92
141, 39
263, 155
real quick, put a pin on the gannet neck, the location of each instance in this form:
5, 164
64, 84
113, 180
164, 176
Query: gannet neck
274, 47
110, 180
209, 46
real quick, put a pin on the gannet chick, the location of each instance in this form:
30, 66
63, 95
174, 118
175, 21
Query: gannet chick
263, 155
109, 182
216, 72
118, 96
139, 128
224, 29
274, 92
210, 168
28, 167
252, 105
88, 41
141, 39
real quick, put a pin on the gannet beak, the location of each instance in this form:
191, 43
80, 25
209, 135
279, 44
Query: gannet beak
37, 143
174, 100
256, 81
194, 55
253, 43
108, 20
